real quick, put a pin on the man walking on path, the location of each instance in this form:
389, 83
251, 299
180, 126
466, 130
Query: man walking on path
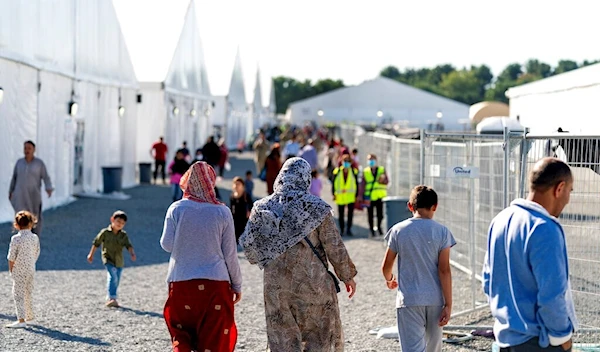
526, 268
159, 153
25, 186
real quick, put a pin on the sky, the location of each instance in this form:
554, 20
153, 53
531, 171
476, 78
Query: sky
353, 40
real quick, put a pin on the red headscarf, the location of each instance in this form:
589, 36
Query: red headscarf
198, 183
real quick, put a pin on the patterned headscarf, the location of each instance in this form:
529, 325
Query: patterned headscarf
284, 218
198, 183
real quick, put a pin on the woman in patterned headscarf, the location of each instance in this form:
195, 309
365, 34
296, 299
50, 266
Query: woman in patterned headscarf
291, 234
204, 273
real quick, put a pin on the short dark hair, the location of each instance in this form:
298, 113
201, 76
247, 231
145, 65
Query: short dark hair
24, 219
548, 173
120, 214
423, 197
355, 151
240, 180
248, 172
30, 142
314, 173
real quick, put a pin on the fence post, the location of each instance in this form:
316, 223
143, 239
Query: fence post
422, 158
505, 181
523, 171
472, 261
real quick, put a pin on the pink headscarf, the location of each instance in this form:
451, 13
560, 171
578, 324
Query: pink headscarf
198, 183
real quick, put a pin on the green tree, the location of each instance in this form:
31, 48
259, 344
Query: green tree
463, 86
536, 68
289, 90
565, 66
390, 72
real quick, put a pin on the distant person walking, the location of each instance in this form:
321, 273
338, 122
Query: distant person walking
261, 148
211, 153
292, 235
23, 253
309, 153
25, 186
273, 165
374, 185
159, 153
526, 266
204, 274
177, 168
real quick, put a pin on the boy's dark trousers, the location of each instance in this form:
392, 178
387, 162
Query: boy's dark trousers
378, 205
341, 211
533, 346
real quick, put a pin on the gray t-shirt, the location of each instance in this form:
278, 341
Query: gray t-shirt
418, 243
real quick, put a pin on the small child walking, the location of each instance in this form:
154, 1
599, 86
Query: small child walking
240, 204
113, 239
424, 298
23, 253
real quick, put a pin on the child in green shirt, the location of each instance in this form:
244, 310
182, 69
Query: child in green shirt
113, 239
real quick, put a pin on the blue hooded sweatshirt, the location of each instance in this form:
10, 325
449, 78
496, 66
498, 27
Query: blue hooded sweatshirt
526, 277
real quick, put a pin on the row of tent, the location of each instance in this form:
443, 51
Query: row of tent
67, 82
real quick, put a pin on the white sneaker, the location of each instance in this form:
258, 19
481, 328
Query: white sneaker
16, 325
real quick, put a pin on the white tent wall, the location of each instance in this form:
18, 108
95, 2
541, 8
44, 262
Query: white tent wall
573, 110
18, 116
151, 119
38, 33
55, 135
129, 134
89, 114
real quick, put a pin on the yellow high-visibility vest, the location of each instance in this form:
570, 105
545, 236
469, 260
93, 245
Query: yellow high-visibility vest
373, 189
345, 192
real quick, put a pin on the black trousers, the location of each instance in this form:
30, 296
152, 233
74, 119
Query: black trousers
533, 346
341, 211
161, 164
375, 205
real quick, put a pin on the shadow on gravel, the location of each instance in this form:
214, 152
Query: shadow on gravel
58, 335
141, 312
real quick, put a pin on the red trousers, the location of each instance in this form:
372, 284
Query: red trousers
199, 316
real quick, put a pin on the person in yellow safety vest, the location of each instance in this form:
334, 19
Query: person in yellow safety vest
345, 192
374, 184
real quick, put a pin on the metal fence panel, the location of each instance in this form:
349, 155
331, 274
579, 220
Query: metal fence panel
579, 218
467, 205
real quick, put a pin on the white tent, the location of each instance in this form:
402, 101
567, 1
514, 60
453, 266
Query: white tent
381, 99
258, 112
51, 55
567, 100
237, 114
175, 96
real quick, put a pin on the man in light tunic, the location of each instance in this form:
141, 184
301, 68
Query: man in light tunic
26, 183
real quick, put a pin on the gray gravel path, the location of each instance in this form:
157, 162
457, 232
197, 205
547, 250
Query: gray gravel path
69, 293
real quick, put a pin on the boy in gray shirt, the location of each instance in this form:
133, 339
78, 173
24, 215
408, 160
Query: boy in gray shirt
424, 299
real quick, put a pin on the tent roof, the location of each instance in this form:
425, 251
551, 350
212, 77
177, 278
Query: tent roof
380, 93
173, 42
45, 35
582, 77
481, 110
237, 90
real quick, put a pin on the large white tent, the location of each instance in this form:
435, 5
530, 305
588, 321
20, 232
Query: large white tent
53, 54
175, 96
237, 110
567, 100
381, 99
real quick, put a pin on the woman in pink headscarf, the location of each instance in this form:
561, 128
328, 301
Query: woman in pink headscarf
204, 273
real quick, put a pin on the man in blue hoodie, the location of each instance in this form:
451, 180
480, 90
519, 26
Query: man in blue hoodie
526, 271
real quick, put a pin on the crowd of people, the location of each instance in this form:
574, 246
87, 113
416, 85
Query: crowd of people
292, 236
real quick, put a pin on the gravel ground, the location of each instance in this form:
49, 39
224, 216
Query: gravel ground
69, 293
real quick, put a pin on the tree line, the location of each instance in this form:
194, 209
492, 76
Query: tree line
467, 85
